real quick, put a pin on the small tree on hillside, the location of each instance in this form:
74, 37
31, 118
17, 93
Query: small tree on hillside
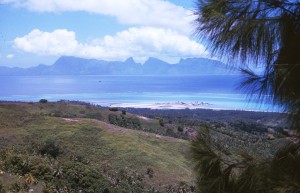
43, 101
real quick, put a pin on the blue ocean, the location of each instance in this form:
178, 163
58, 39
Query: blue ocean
221, 92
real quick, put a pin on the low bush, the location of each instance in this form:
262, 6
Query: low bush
161, 122
43, 101
113, 109
123, 121
51, 149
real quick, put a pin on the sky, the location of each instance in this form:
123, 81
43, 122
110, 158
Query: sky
36, 32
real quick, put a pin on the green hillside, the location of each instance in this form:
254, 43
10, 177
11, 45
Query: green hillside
69, 148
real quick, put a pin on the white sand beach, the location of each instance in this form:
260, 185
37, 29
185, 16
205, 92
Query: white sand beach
158, 105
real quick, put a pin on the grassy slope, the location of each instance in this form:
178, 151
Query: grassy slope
103, 144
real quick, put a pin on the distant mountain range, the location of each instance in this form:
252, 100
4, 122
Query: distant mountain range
67, 65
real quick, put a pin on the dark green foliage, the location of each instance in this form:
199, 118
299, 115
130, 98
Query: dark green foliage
123, 112
150, 172
2, 189
50, 148
123, 121
209, 166
249, 127
18, 187
161, 122
43, 101
106, 190
114, 109
80, 177
69, 175
180, 129
15, 164
266, 33
221, 173
222, 116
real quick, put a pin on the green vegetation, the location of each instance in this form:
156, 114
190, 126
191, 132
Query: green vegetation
221, 171
50, 148
70, 152
265, 33
73, 146
43, 101
114, 109
161, 122
123, 121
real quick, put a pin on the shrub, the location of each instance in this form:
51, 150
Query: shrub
161, 122
17, 164
113, 109
150, 172
41, 170
18, 187
50, 148
113, 119
43, 101
123, 121
180, 129
123, 112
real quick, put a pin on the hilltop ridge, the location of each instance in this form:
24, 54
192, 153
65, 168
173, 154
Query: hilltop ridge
69, 65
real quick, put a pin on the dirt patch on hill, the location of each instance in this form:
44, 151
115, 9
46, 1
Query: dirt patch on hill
71, 120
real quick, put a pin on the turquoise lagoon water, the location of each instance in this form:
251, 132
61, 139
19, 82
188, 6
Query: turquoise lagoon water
218, 90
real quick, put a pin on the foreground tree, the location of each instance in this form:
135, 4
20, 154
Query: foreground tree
263, 32
266, 33
218, 172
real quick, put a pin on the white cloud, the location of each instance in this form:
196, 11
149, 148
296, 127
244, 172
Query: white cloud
57, 42
154, 13
139, 43
10, 56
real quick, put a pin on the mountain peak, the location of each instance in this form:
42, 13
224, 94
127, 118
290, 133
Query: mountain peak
70, 65
154, 61
129, 61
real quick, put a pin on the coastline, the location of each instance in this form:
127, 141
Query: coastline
173, 105
157, 105
179, 105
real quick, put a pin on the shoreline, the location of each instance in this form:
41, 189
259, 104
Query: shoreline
173, 105
179, 105
157, 105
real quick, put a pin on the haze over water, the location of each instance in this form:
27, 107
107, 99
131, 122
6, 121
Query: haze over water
220, 91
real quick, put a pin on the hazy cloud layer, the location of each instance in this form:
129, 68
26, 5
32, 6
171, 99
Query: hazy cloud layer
140, 43
154, 13
10, 56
